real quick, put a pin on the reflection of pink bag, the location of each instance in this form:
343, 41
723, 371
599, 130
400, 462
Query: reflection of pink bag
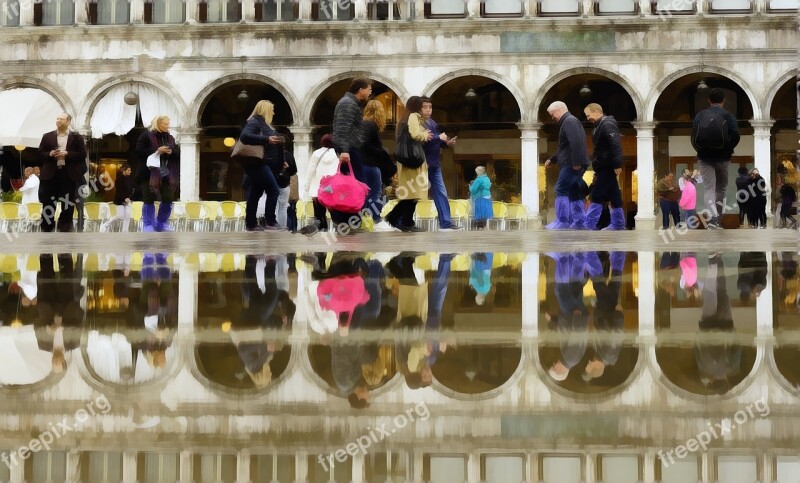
342, 294
342, 192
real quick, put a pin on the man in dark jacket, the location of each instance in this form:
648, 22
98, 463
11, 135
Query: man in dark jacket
745, 201
63, 156
714, 137
607, 164
572, 159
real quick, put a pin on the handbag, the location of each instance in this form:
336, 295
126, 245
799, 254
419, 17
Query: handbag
342, 192
407, 151
342, 294
247, 154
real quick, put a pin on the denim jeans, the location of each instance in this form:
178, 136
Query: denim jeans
568, 183
263, 181
669, 208
438, 192
690, 218
374, 201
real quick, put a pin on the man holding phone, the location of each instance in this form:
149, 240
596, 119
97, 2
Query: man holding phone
433, 155
63, 156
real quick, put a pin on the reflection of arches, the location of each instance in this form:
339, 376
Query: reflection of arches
99, 91
16, 82
511, 87
615, 379
320, 365
554, 80
657, 91
773, 91
26, 368
220, 368
450, 378
784, 364
200, 102
320, 88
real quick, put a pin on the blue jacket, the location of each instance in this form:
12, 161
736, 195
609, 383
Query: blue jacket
481, 187
432, 148
257, 132
571, 143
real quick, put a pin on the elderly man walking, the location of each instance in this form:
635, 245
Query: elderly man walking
572, 158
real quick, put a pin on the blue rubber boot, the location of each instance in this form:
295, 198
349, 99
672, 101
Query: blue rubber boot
577, 215
562, 215
162, 221
617, 220
593, 215
148, 218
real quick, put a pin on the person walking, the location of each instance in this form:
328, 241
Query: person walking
607, 164
122, 199
376, 160
323, 162
758, 186
714, 137
480, 192
159, 182
259, 131
413, 182
688, 201
788, 197
62, 154
572, 159
433, 156
668, 195
744, 201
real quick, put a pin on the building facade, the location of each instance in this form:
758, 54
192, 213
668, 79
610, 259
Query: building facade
491, 68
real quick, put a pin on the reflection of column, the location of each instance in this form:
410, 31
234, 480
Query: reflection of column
187, 298
190, 165
474, 467
243, 466
358, 468
760, 6
360, 9
648, 469
473, 8
590, 468
530, 170
645, 170
304, 10
301, 465
185, 466
530, 295
129, 466
763, 154
702, 6
303, 148
417, 464
17, 473
647, 293
588, 8
764, 313
73, 466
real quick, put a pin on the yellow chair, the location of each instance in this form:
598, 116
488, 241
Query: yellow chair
305, 213
94, 215
499, 215
195, 215
229, 216
9, 216
212, 214
425, 212
33, 219
517, 214
136, 214
459, 212
176, 217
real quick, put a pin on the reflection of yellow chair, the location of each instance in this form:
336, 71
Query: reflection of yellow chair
33, 264
499, 259
136, 214
425, 262
426, 213
8, 263
516, 259
499, 215
211, 262
91, 263
517, 214
192, 260
9, 216
460, 263
136, 261
228, 263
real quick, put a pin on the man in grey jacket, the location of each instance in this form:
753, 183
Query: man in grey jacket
348, 135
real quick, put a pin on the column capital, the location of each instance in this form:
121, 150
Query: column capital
765, 124
189, 135
645, 126
299, 129
529, 126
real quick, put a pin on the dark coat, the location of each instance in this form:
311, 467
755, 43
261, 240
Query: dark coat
256, 132
147, 144
75, 160
374, 154
571, 143
607, 145
124, 188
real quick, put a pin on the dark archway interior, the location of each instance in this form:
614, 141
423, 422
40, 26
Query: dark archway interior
492, 107
224, 115
324, 105
476, 369
222, 364
784, 107
613, 376
681, 100
614, 99
787, 360
707, 369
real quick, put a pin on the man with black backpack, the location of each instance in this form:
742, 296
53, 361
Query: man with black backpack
715, 134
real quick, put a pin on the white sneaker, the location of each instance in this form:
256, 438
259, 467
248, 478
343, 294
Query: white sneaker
384, 226
453, 227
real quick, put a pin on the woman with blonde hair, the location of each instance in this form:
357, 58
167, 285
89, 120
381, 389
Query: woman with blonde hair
376, 161
259, 131
158, 182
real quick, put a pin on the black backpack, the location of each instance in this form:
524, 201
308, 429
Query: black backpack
712, 131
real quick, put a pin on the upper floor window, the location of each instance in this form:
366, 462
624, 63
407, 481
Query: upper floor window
9, 9
220, 11
722, 6
559, 7
109, 12
446, 9
674, 6
784, 4
276, 10
164, 11
616, 7
501, 8
332, 10
54, 12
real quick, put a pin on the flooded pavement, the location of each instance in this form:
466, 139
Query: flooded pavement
390, 367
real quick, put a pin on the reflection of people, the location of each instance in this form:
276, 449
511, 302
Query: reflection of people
480, 276
60, 312
752, 274
158, 183
63, 156
573, 318
435, 303
156, 311
609, 320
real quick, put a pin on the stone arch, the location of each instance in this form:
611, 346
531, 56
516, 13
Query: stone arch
15, 82
198, 105
619, 79
516, 376
505, 82
658, 90
97, 92
318, 89
777, 375
773, 91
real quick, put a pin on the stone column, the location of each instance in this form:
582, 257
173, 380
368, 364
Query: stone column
243, 466
645, 169
649, 473
587, 6
192, 11
701, 6
760, 6
361, 9
530, 171
473, 9
590, 468
763, 155
645, 7
137, 12
303, 147
190, 165
81, 12
249, 9
304, 10
358, 468
25, 14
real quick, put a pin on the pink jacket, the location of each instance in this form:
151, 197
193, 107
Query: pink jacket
689, 269
688, 199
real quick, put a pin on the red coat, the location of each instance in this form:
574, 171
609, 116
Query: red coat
75, 160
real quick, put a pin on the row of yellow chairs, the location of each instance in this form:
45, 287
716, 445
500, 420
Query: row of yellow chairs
505, 215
